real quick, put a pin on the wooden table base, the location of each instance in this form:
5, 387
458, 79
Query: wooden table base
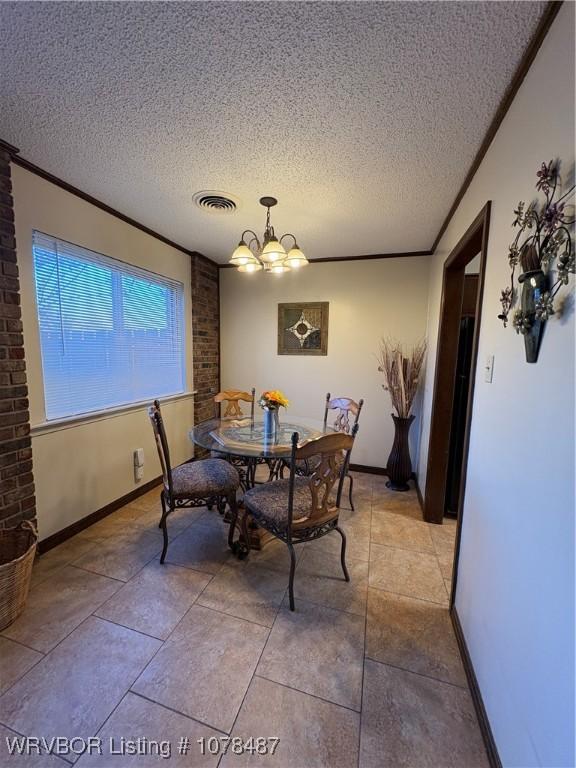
259, 537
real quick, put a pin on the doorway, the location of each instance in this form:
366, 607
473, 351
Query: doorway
456, 358
461, 388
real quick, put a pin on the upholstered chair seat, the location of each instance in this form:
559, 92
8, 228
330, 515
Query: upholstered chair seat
269, 502
210, 477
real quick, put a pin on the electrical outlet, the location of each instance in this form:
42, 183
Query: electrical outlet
138, 464
488, 369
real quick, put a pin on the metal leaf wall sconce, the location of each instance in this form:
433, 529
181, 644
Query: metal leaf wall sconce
544, 250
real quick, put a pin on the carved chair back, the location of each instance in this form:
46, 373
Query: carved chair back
155, 415
325, 474
344, 407
232, 399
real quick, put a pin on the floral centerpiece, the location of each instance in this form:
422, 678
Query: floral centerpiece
273, 399
543, 252
270, 401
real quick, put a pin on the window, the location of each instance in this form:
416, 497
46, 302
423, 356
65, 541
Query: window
110, 334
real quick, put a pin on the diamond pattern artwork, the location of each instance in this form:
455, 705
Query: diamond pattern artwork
303, 328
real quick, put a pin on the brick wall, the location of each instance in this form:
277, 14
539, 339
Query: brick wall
205, 335
17, 500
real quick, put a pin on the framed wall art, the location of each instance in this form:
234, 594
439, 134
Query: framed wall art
303, 328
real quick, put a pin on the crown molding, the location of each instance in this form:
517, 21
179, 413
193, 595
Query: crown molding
47, 176
10, 148
366, 257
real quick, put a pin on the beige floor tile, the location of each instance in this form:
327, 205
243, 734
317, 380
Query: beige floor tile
156, 599
405, 504
357, 541
443, 538
74, 688
178, 520
446, 561
361, 493
205, 667
413, 574
34, 760
362, 498
55, 559
413, 634
362, 514
149, 500
399, 531
116, 523
319, 578
246, 591
214, 518
274, 556
136, 718
412, 721
312, 733
122, 556
202, 547
15, 661
318, 651
58, 605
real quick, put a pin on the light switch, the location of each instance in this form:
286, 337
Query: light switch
488, 368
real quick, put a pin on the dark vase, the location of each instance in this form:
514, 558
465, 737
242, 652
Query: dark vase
399, 466
534, 284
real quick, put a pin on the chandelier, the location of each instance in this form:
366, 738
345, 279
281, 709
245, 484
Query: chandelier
252, 255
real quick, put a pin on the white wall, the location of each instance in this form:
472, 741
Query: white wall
80, 468
515, 594
368, 299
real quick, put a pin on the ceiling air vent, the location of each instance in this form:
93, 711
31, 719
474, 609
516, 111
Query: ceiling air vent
215, 202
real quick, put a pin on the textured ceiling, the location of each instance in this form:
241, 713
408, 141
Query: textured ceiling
362, 118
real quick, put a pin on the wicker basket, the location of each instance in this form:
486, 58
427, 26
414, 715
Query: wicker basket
17, 550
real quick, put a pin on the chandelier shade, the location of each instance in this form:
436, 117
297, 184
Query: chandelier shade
242, 255
253, 254
273, 251
295, 258
252, 266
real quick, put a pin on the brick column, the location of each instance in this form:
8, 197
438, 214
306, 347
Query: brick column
205, 335
17, 500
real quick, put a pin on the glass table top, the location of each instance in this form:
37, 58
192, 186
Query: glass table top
242, 437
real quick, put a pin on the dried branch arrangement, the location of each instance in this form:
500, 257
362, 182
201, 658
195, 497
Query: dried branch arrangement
401, 370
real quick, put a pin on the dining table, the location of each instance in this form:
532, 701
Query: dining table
246, 445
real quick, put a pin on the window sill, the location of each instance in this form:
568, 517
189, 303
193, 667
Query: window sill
70, 422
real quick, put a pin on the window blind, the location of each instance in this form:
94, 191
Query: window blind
110, 333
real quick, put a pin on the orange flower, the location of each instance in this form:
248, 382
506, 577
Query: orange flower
273, 397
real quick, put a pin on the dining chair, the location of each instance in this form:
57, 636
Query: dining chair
298, 509
345, 407
192, 484
232, 398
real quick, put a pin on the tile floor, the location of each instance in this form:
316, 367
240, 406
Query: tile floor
362, 675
